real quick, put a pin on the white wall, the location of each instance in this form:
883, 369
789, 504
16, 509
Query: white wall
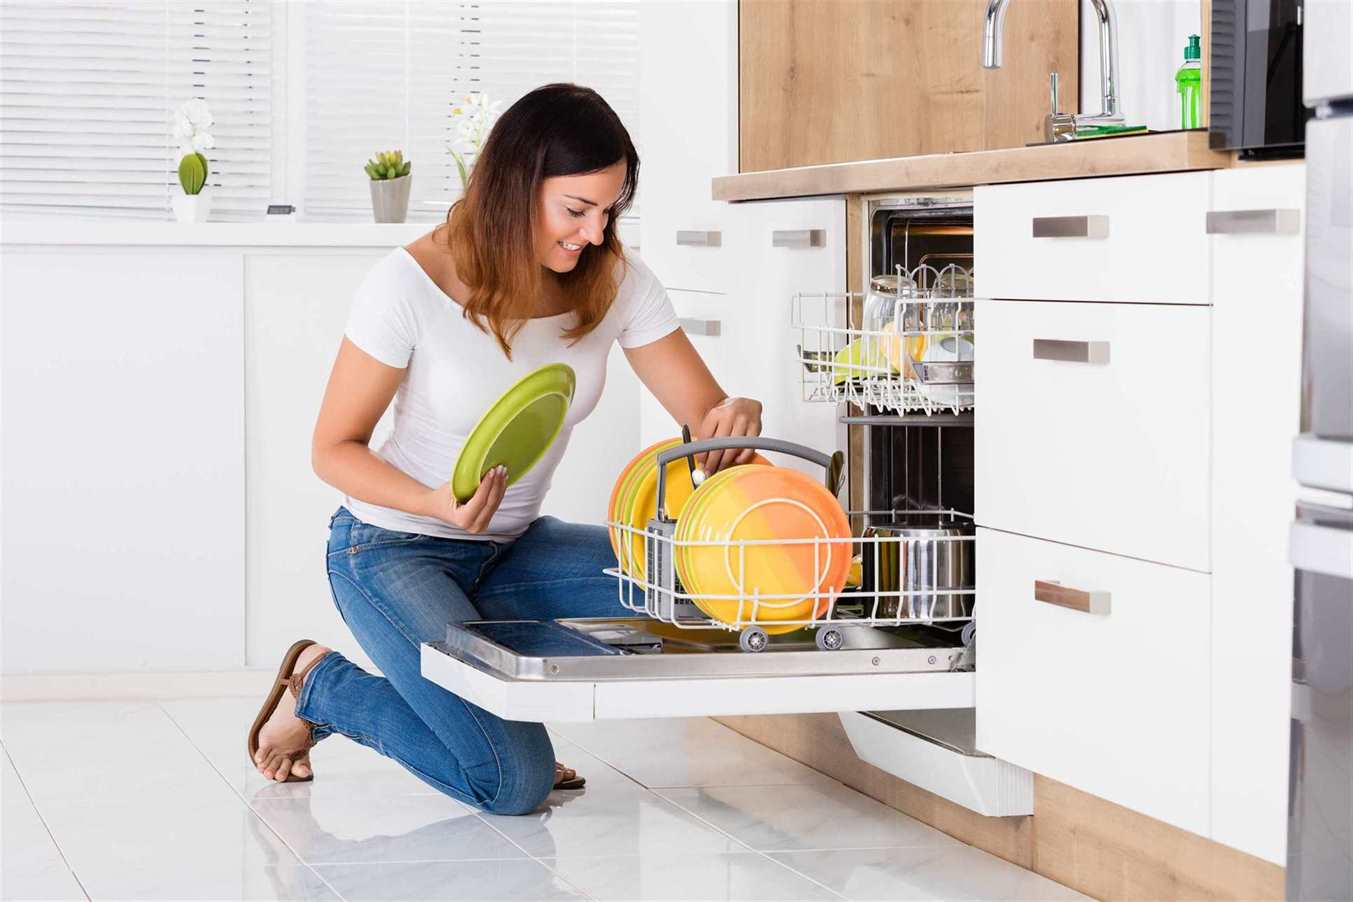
1152, 35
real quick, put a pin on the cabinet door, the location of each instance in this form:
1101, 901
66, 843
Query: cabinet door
1257, 243
1111, 700
792, 246
715, 328
688, 107
123, 447
1092, 426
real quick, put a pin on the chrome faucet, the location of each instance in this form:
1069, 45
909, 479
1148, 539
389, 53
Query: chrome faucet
1060, 126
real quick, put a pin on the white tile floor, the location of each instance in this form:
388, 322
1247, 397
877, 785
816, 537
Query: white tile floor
156, 800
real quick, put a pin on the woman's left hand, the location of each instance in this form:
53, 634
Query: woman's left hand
731, 417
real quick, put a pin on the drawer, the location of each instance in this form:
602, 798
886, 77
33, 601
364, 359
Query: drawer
1110, 455
694, 251
1112, 703
1138, 239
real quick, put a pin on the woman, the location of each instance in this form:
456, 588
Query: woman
527, 270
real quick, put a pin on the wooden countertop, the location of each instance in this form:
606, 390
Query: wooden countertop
1164, 152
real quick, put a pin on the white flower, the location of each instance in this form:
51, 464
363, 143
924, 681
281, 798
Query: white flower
198, 114
191, 124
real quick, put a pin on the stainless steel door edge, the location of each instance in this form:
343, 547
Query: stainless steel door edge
704, 653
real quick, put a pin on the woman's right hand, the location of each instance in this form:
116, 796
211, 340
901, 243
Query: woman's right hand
473, 515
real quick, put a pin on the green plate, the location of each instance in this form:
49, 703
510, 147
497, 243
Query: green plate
517, 430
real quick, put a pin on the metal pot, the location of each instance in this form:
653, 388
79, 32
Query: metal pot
910, 564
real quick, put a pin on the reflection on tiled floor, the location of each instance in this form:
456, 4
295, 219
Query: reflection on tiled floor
156, 800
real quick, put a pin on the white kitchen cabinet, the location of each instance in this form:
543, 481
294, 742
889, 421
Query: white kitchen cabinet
123, 446
1114, 701
1257, 246
688, 108
1092, 426
792, 246
1134, 239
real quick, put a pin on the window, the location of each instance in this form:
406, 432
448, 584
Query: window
383, 75
87, 94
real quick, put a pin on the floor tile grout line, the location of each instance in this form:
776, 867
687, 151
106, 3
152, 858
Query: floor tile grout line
480, 816
42, 820
779, 864
231, 787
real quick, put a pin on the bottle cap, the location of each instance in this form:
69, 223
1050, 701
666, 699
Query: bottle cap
1195, 50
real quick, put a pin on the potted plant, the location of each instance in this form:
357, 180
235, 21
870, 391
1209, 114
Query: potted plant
192, 124
472, 119
390, 182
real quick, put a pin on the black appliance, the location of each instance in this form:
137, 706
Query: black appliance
1256, 73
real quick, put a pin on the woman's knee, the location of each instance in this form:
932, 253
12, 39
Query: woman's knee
519, 780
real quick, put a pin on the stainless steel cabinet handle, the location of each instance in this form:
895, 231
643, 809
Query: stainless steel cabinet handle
1053, 592
1321, 549
699, 239
1071, 227
1071, 351
1253, 222
701, 326
798, 238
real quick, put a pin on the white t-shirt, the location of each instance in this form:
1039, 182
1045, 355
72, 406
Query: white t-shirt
455, 371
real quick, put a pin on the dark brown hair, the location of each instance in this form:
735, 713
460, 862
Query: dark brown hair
558, 129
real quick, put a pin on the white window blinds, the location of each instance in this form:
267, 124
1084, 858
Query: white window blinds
87, 94
384, 75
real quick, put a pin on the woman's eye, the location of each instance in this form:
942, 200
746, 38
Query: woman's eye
574, 213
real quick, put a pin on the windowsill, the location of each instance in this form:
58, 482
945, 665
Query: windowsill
58, 233
148, 233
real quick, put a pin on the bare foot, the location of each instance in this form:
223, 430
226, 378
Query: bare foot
283, 743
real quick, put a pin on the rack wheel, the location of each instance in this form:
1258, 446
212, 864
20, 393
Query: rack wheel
969, 634
829, 638
753, 638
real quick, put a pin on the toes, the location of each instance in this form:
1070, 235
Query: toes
301, 768
283, 770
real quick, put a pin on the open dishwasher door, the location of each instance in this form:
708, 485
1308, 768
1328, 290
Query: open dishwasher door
608, 669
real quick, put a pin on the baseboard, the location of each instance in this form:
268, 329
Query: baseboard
1096, 847
46, 687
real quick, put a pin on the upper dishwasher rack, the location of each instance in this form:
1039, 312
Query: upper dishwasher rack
921, 361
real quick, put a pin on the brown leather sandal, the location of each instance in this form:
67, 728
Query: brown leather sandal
565, 781
286, 680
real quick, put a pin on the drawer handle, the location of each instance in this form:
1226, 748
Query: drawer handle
1071, 227
699, 239
798, 238
1071, 351
1053, 592
701, 326
1321, 549
1253, 222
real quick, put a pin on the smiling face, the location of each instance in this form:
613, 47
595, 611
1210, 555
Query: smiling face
572, 212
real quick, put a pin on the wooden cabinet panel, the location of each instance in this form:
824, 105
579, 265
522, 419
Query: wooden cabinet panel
826, 81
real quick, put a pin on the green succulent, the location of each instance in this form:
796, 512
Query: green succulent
388, 164
193, 173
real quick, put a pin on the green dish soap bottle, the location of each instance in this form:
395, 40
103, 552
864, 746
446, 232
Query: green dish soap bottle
1189, 81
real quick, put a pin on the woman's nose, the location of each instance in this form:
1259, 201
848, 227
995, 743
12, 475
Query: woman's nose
593, 232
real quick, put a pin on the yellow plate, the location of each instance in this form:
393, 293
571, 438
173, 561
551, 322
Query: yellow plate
756, 504
630, 563
621, 486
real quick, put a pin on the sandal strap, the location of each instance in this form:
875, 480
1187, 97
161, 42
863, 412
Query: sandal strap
297, 680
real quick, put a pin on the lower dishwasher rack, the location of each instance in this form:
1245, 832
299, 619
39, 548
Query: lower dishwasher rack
595, 669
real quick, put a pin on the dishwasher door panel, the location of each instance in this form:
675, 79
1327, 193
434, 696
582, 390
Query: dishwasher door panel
644, 668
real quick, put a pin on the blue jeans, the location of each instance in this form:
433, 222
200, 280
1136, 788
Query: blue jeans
397, 590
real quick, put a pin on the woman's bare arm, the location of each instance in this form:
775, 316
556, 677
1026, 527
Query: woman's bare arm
360, 389
676, 374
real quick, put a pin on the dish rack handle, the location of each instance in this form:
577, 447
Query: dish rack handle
832, 463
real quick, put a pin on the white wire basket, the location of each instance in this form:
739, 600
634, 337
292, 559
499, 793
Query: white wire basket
894, 579
920, 362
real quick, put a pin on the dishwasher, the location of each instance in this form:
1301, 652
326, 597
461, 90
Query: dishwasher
901, 634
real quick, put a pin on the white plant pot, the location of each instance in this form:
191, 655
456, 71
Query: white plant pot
192, 207
390, 198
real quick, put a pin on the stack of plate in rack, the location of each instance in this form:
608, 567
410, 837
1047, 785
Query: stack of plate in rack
773, 532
